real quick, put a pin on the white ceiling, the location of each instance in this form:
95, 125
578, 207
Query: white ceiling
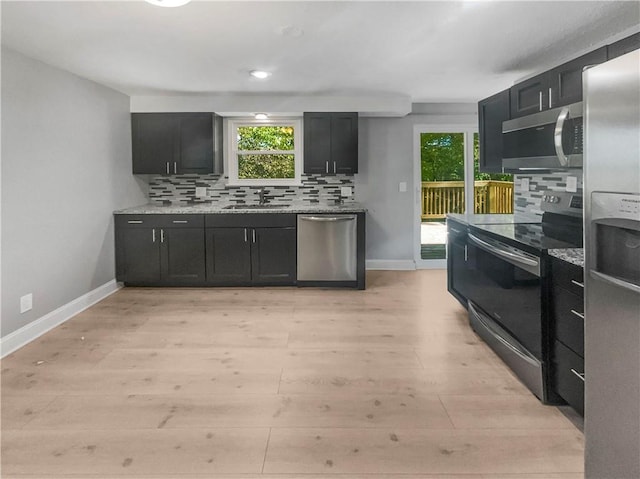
431, 51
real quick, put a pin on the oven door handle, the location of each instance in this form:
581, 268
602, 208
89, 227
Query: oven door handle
522, 261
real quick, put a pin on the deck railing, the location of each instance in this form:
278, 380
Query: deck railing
442, 197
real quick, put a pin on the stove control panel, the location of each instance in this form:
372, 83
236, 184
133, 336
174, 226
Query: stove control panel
562, 202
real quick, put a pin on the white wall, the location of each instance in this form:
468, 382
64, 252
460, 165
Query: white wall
386, 159
66, 165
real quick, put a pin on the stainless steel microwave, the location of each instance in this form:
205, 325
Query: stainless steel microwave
548, 140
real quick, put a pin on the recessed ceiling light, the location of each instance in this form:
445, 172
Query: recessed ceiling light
291, 31
259, 74
261, 116
168, 3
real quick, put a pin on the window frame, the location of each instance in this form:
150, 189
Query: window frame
232, 151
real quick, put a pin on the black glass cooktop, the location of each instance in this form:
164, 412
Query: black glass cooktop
537, 235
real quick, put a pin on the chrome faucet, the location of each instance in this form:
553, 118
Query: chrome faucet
261, 195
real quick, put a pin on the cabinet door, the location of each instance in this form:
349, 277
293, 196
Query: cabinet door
344, 143
273, 255
154, 143
529, 96
623, 46
228, 253
317, 143
182, 255
565, 81
492, 112
196, 144
138, 255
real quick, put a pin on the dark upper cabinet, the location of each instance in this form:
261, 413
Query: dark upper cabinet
330, 143
175, 143
623, 46
160, 249
557, 87
529, 96
492, 112
565, 81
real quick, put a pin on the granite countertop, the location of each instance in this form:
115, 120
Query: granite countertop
218, 208
570, 255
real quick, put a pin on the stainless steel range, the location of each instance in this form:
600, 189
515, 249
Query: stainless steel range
507, 266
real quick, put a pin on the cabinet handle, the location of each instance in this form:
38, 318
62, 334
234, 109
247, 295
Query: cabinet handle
161, 236
580, 315
167, 167
153, 235
254, 235
540, 100
180, 222
134, 222
175, 168
550, 97
466, 255
245, 235
335, 170
580, 375
327, 167
577, 283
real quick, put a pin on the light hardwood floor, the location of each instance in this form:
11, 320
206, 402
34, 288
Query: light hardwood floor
385, 383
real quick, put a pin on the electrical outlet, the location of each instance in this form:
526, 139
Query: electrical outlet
524, 184
26, 303
345, 191
201, 191
402, 187
572, 184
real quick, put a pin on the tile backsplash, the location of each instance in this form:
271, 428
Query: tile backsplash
527, 203
181, 189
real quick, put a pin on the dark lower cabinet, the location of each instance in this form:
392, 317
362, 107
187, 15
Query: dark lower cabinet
567, 326
273, 256
457, 268
251, 249
137, 255
182, 255
228, 256
160, 249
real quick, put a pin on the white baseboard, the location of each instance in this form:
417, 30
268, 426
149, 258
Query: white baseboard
15, 340
391, 264
431, 264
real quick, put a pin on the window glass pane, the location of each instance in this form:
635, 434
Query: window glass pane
493, 192
265, 138
266, 166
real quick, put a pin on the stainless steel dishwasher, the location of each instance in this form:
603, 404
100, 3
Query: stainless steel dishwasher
327, 247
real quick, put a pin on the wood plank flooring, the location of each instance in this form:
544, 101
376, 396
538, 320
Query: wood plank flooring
386, 383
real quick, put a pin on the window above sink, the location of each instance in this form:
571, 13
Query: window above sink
264, 152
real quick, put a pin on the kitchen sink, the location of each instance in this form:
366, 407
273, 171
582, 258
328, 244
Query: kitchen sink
253, 207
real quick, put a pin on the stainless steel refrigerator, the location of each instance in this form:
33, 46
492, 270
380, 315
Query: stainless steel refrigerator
612, 268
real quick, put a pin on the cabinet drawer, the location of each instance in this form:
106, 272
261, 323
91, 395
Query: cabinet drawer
250, 220
567, 366
569, 326
159, 221
567, 276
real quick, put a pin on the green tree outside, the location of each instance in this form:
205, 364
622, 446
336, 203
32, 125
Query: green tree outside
442, 158
266, 138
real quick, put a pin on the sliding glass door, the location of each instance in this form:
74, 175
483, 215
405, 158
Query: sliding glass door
451, 183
